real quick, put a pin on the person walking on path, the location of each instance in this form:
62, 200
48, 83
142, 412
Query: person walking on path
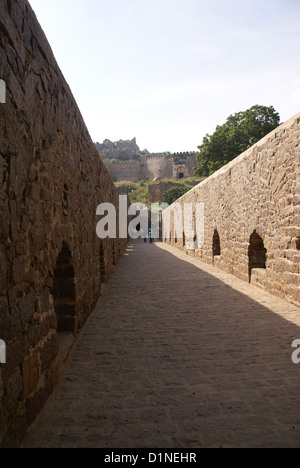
150, 236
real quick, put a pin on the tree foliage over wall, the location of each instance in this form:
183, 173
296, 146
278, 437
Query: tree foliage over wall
171, 195
236, 135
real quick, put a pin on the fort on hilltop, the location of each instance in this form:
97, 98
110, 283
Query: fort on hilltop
125, 161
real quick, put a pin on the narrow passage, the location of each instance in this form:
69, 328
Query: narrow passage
177, 354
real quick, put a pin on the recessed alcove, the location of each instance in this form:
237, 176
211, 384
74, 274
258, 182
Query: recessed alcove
64, 301
64, 291
257, 254
216, 244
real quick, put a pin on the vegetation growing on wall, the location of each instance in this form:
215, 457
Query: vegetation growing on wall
171, 195
121, 151
138, 192
123, 155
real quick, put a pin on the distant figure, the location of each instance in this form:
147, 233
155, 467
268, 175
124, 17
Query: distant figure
150, 237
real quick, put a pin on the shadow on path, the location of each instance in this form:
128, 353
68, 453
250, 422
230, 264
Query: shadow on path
174, 357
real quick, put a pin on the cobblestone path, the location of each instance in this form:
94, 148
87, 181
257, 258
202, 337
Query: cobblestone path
177, 355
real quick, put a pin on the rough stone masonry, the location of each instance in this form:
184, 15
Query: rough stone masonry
252, 215
52, 265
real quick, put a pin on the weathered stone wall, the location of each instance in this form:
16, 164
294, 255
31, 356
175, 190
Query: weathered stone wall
133, 171
252, 214
151, 168
52, 265
160, 168
158, 189
192, 163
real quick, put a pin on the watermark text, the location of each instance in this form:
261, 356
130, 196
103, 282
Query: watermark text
178, 221
2, 92
296, 353
2, 352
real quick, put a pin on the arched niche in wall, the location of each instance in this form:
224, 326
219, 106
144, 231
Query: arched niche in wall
180, 172
64, 291
257, 253
216, 245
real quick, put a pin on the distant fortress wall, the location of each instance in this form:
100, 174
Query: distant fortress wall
125, 171
179, 165
160, 168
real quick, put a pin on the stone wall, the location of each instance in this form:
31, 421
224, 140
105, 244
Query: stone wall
52, 265
252, 214
158, 189
161, 167
132, 171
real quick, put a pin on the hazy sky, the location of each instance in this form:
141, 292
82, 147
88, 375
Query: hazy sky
168, 71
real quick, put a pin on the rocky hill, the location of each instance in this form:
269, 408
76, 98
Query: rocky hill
122, 150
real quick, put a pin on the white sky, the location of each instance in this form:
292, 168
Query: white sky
169, 71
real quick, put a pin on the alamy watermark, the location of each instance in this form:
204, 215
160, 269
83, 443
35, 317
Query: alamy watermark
179, 221
2, 352
2, 92
296, 353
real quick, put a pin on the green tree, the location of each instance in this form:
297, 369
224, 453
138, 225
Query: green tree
171, 195
240, 132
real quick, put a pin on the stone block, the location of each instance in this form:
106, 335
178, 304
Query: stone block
25, 223
4, 225
3, 270
15, 352
31, 374
37, 239
13, 391
49, 352
26, 308
17, 270
10, 325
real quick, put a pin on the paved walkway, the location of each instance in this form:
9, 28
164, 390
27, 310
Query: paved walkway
178, 354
